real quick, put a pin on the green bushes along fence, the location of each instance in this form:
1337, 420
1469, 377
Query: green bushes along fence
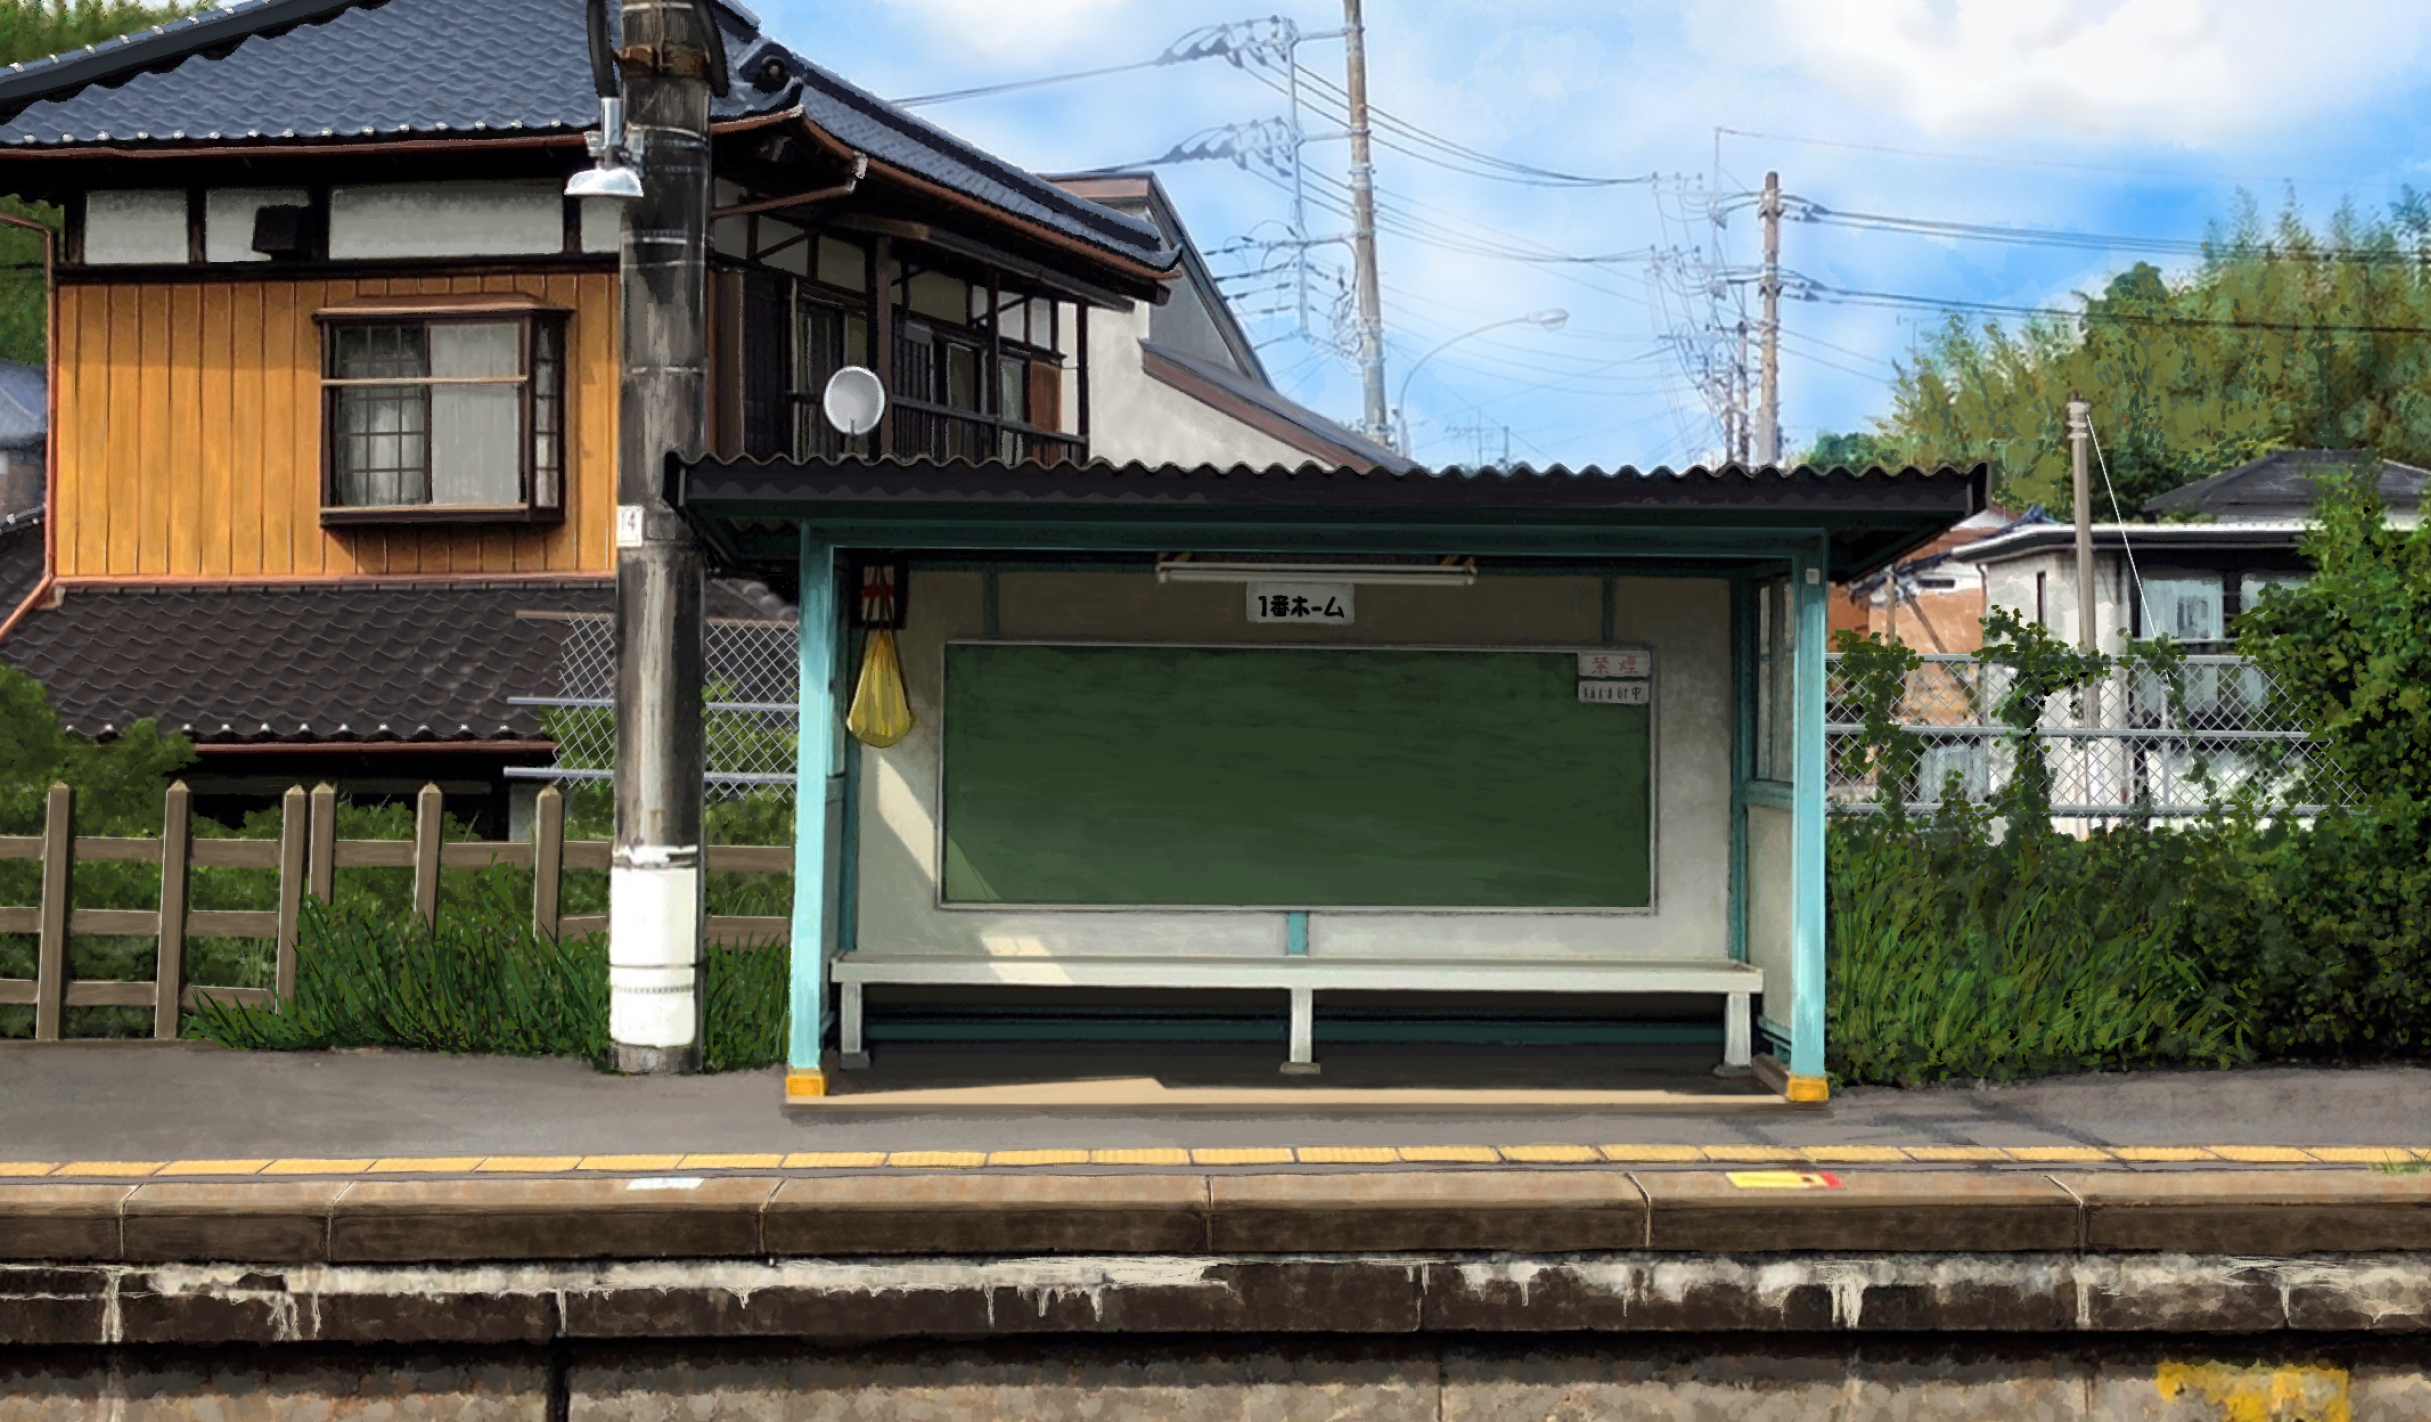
1981, 942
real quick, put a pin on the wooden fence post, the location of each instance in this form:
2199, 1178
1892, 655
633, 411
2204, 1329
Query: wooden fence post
323, 881
292, 814
51, 953
548, 858
169, 969
427, 809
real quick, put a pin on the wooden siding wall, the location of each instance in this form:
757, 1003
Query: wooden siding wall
190, 435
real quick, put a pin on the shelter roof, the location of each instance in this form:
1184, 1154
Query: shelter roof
747, 510
310, 71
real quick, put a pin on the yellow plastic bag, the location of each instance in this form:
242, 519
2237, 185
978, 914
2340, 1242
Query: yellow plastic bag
882, 712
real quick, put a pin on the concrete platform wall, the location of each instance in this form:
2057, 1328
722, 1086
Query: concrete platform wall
1711, 1378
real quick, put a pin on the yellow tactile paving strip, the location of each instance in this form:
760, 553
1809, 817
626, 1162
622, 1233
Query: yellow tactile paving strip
1537, 1153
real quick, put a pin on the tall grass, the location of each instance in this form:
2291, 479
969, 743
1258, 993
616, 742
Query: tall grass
1956, 956
483, 982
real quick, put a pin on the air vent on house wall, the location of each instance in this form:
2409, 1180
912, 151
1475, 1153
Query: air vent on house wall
284, 231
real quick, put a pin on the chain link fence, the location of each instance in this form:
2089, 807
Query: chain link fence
2120, 747
748, 720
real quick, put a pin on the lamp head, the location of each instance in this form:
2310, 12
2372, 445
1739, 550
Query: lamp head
609, 180
1552, 319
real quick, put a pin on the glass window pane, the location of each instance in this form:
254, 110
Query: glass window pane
379, 353
548, 414
476, 348
475, 444
379, 445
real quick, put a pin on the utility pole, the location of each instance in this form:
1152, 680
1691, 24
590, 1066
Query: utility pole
1739, 450
1363, 231
1768, 412
670, 59
2080, 429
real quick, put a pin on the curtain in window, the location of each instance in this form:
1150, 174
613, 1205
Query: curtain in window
476, 429
382, 431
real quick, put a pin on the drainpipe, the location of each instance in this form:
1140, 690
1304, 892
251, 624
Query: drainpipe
671, 60
50, 425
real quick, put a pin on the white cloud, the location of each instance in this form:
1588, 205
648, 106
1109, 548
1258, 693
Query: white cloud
2172, 71
1028, 28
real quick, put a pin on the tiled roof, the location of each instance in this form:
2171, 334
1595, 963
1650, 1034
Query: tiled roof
313, 663
350, 69
2280, 485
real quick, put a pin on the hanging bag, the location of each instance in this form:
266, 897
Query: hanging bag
882, 712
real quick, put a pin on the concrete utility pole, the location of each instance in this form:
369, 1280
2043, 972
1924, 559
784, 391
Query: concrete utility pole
2080, 430
1375, 421
1768, 411
655, 884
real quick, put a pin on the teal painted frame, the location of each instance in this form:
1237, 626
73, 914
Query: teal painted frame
815, 754
1805, 549
1807, 903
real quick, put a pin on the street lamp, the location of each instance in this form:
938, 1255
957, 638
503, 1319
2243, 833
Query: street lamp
1551, 319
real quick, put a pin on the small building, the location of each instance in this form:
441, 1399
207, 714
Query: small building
2228, 537
1934, 601
1281, 732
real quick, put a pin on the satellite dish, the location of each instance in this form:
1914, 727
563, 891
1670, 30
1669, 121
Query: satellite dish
854, 400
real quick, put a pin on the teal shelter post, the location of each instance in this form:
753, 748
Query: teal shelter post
814, 754
1807, 903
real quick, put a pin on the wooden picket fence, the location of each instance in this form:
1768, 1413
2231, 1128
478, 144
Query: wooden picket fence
306, 855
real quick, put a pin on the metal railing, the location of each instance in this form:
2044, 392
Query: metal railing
2122, 746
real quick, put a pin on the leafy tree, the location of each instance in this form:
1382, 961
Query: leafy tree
1857, 449
2284, 335
30, 30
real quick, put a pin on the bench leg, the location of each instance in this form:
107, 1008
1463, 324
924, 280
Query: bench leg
1303, 1033
851, 1054
1738, 1032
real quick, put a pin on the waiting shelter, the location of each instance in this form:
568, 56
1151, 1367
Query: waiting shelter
1314, 733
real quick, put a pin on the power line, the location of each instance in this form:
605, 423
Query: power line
2041, 162
1809, 211
1234, 42
1844, 296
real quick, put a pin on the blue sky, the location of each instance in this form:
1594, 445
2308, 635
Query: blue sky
2135, 117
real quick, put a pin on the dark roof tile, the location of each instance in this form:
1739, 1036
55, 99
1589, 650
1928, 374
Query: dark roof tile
315, 663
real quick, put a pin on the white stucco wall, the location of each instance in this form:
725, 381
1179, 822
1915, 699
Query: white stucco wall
1135, 417
470, 219
131, 225
1686, 621
2010, 584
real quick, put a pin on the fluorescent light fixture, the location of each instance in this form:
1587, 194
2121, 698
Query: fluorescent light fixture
1414, 575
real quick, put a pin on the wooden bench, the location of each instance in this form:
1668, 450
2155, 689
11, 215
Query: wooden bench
1304, 977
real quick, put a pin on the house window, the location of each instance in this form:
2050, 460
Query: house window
456, 417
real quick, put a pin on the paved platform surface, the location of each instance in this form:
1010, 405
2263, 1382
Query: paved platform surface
172, 1108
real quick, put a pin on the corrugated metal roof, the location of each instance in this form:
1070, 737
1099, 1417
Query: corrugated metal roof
923, 478
307, 70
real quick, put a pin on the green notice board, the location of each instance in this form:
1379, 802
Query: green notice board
1290, 778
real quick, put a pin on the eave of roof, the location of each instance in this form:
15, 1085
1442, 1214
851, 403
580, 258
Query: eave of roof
2046, 537
1266, 409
